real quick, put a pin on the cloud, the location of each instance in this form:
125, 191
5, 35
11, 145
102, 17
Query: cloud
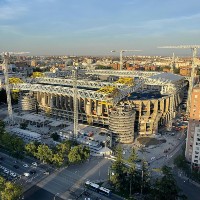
12, 9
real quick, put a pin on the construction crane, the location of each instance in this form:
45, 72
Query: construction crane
121, 56
7, 56
194, 54
75, 76
172, 64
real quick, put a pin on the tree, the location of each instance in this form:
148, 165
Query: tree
165, 188
74, 156
44, 153
2, 183
57, 159
31, 148
181, 162
55, 136
11, 191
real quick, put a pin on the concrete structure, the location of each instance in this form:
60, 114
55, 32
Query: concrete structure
192, 151
121, 124
151, 95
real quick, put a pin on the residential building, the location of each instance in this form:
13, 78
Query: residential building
192, 152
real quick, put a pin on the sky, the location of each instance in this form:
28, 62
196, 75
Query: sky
95, 27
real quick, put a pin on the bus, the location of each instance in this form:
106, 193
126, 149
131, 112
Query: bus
104, 191
92, 186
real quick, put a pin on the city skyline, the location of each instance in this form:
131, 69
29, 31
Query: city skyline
91, 27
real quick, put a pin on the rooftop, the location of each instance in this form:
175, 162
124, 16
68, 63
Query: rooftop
167, 77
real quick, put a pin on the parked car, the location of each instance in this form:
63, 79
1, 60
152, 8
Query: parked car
26, 174
25, 165
35, 164
46, 172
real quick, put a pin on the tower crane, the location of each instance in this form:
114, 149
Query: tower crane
75, 76
194, 54
7, 56
121, 55
172, 64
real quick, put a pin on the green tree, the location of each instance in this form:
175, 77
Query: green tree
74, 155
55, 136
44, 153
31, 148
64, 148
11, 191
165, 188
181, 162
57, 159
2, 183
118, 175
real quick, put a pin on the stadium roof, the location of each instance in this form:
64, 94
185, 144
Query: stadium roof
167, 77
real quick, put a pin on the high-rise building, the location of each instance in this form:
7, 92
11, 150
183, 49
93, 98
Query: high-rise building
192, 151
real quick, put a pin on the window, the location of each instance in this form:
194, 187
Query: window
195, 96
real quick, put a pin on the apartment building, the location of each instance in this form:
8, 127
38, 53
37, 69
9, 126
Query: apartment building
192, 151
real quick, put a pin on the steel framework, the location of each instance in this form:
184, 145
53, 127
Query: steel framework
191, 81
122, 73
81, 83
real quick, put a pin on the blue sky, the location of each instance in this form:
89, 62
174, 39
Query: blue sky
94, 27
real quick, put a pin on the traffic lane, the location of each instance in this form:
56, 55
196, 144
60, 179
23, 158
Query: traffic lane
38, 172
40, 194
190, 190
9, 163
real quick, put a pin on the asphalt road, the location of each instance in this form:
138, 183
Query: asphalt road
26, 182
40, 194
69, 182
189, 189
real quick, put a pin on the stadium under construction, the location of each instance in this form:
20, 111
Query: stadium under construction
129, 103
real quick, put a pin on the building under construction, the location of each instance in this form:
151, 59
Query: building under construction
129, 103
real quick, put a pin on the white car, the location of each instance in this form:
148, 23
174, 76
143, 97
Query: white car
26, 174
35, 164
13, 174
25, 165
6, 171
153, 158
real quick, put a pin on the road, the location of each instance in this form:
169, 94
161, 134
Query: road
69, 182
189, 189
26, 182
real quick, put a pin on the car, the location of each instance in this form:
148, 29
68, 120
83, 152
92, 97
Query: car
46, 172
16, 166
25, 165
35, 164
13, 174
153, 158
26, 174
32, 172
6, 171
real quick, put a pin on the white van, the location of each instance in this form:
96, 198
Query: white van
26, 174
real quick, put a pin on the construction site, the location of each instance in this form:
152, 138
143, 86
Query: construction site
128, 103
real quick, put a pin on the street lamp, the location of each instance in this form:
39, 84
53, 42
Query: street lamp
54, 198
121, 54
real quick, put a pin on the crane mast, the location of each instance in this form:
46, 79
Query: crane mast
6, 62
75, 75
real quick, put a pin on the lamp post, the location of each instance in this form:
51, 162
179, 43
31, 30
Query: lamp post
121, 56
